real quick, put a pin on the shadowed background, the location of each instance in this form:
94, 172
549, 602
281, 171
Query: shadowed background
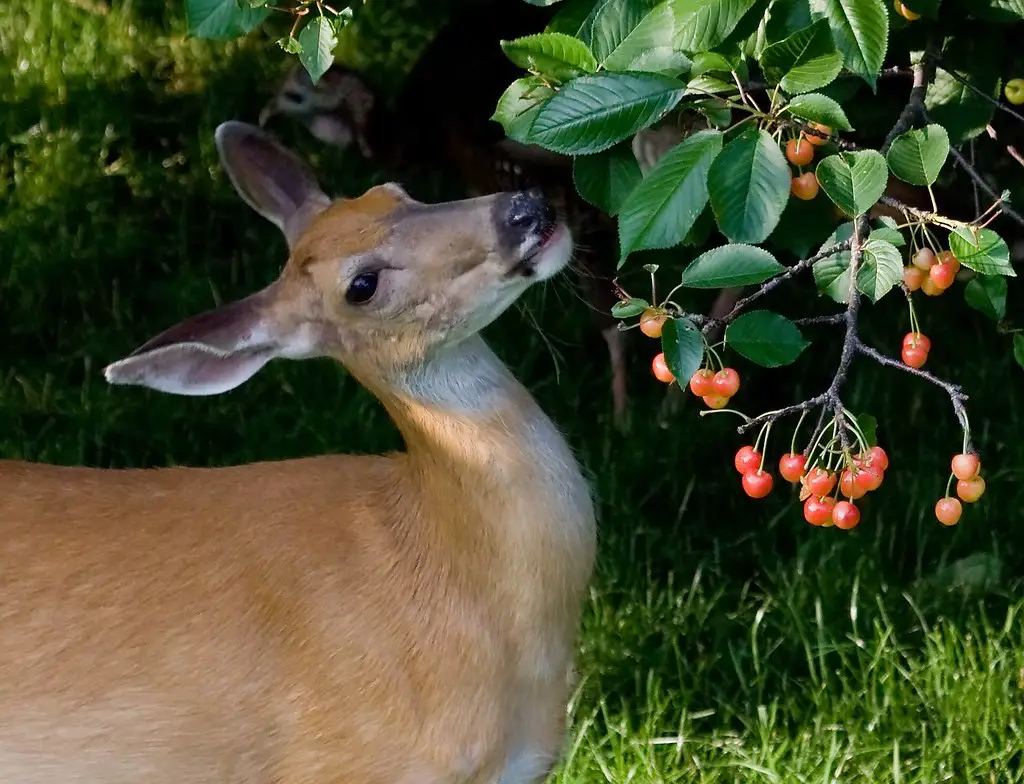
776, 651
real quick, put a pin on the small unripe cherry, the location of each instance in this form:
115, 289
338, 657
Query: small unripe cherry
702, 382
715, 401
651, 322
727, 382
913, 277
799, 152
660, 369
757, 484
948, 511
845, 515
918, 340
924, 259
747, 459
792, 467
970, 490
965, 466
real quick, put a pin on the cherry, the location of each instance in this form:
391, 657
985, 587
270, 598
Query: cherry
845, 515
942, 275
877, 458
651, 322
747, 459
820, 482
757, 484
868, 478
913, 278
727, 382
849, 486
799, 152
948, 511
929, 288
905, 12
814, 139
914, 356
702, 382
917, 339
805, 187
792, 467
947, 257
818, 509
970, 490
1014, 91
924, 259
660, 369
965, 466
715, 401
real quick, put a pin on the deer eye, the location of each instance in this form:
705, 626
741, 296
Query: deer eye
362, 288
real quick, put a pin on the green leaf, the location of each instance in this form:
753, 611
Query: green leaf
987, 293
701, 25
570, 17
860, 29
290, 45
868, 427
731, 265
918, 156
959, 109
221, 19
880, 268
519, 105
555, 55
748, 185
684, 348
765, 338
607, 178
629, 308
981, 250
832, 274
785, 18
649, 46
592, 113
889, 235
997, 10
317, 40
662, 209
805, 61
815, 107
1018, 348
855, 181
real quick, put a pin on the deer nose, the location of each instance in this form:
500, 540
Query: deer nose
530, 212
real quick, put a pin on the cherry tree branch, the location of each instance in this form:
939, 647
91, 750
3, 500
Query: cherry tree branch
978, 91
914, 111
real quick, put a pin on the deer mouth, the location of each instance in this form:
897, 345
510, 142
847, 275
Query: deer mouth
548, 256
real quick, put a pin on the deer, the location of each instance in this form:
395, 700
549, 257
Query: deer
404, 618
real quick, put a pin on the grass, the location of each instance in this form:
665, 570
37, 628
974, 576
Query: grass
724, 639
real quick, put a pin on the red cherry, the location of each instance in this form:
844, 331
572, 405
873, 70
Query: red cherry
947, 257
715, 401
792, 467
819, 481
917, 340
651, 322
868, 478
805, 187
747, 459
942, 276
845, 515
848, 485
965, 466
757, 484
877, 458
948, 511
818, 510
913, 278
660, 369
970, 490
702, 382
799, 152
727, 382
914, 356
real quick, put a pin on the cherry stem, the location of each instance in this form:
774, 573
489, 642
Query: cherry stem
725, 411
792, 443
949, 482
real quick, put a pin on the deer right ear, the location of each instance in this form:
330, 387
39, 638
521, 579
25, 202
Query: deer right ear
271, 179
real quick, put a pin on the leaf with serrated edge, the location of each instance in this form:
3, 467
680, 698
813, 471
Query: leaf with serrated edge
701, 25
832, 274
317, 40
648, 46
629, 308
556, 55
986, 253
987, 294
607, 178
918, 156
731, 265
805, 61
663, 207
592, 113
854, 181
221, 19
765, 338
881, 268
519, 105
748, 185
683, 346
860, 29
815, 107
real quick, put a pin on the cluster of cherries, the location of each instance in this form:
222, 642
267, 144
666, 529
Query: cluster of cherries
970, 486
800, 152
931, 273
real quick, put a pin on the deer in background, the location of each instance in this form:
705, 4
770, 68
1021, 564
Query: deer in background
408, 617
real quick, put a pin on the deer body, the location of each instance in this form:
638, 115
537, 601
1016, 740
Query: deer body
408, 617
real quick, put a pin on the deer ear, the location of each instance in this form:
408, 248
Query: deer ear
207, 354
270, 178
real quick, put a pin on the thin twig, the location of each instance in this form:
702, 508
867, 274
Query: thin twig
967, 167
1010, 149
981, 93
836, 318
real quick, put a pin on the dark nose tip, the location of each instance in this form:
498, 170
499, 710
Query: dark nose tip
530, 211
